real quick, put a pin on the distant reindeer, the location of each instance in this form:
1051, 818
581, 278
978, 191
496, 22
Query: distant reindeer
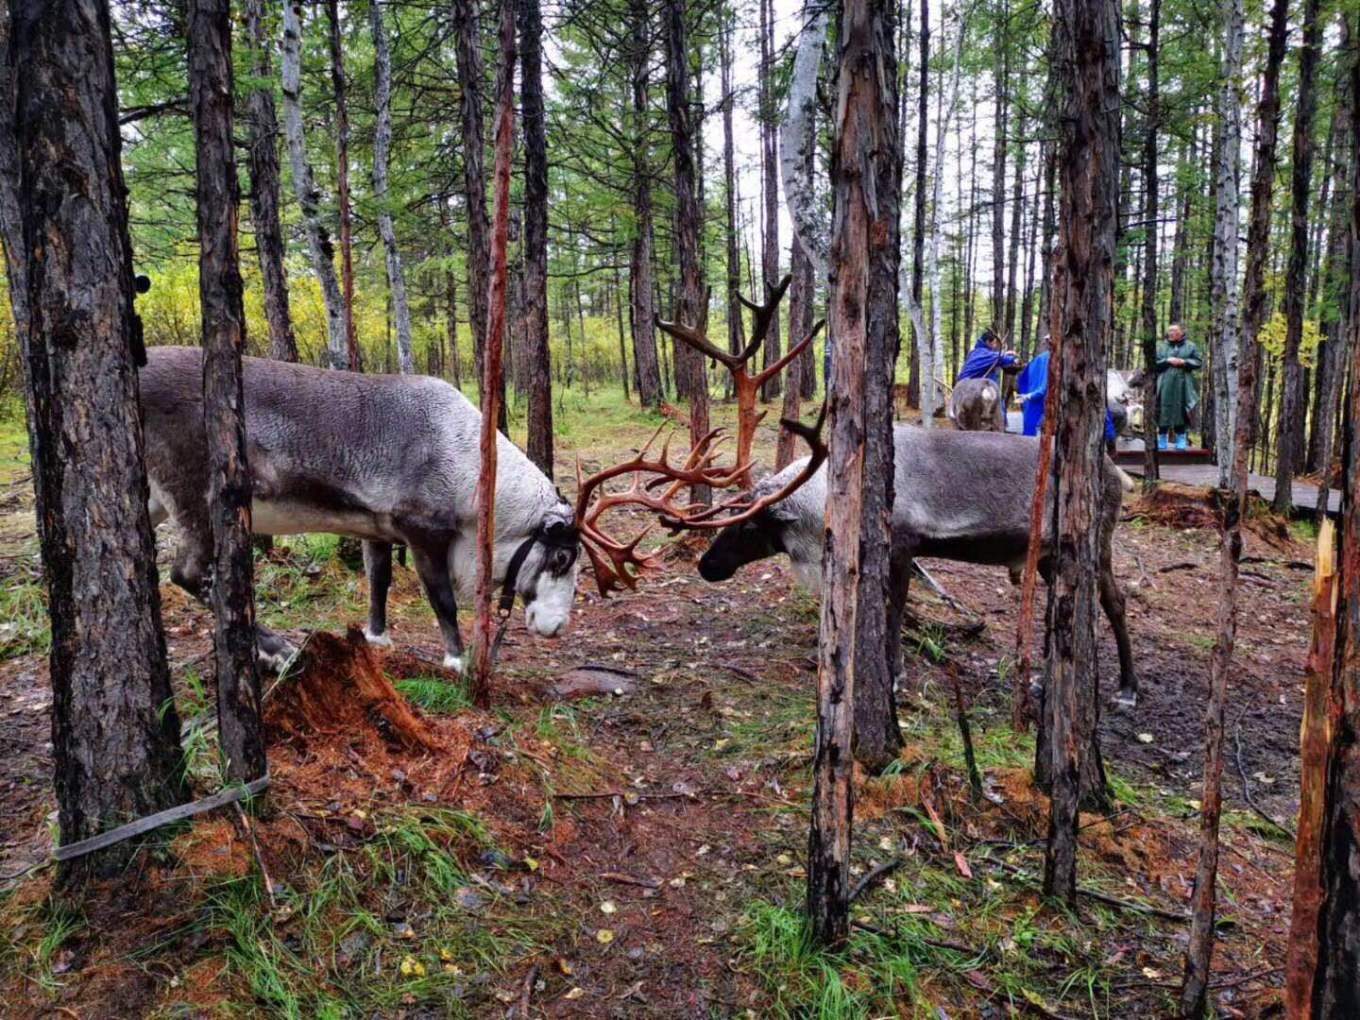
959, 496
976, 406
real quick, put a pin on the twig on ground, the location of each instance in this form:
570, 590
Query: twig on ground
622, 879
527, 990
1246, 786
738, 671
874, 876
606, 794
1183, 565
255, 849
966, 733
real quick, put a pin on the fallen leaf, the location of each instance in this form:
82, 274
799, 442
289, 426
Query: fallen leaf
1145, 738
607, 907
604, 936
575, 993
411, 967
961, 863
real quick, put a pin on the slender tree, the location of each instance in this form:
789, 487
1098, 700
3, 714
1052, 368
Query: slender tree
1227, 172
859, 473
922, 358
1199, 951
640, 279
492, 383
339, 88
769, 164
262, 127
382, 144
115, 732
224, 425
1087, 50
304, 187
536, 354
1293, 403
1152, 126
1001, 104
692, 307
735, 331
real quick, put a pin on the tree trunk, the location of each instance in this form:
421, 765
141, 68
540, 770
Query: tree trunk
1153, 124
692, 308
304, 187
1000, 102
1050, 233
735, 333
641, 282
493, 385
115, 731
1017, 208
1322, 982
921, 385
467, 33
859, 472
1087, 45
338, 86
1224, 296
1199, 953
769, 162
536, 353
262, 133
1293, 402
382, 143
1335, 294
1180, 240
1031, 247
224, 424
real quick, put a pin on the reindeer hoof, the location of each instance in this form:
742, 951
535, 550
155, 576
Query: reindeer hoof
1126, 699
453, 662
380, 640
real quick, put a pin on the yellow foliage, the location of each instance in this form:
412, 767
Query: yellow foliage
1272, 339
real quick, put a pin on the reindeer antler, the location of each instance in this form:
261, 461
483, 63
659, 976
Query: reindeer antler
746, 385
617, 564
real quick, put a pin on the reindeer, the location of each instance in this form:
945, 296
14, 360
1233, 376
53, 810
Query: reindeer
976, 406
958, 496
381, 458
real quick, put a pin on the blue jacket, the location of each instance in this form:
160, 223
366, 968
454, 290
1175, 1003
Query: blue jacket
1032, 386
984, 363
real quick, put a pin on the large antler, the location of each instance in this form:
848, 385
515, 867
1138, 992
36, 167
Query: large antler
745, 384
617, 564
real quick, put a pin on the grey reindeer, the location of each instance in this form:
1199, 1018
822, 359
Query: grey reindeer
381, 458
958, 496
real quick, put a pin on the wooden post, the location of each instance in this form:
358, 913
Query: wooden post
491, 378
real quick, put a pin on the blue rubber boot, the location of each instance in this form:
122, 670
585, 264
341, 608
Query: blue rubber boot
1161, 440
1183, 441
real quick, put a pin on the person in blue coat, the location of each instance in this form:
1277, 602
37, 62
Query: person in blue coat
1032, 390
987, 360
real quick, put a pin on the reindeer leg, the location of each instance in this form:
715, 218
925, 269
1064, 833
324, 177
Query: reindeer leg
432, 564
378, 567
899, 580
1112, 601
192, 571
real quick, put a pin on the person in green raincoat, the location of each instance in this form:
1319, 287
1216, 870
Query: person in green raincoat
1177, 393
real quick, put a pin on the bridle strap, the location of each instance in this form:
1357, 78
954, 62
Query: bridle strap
510, 585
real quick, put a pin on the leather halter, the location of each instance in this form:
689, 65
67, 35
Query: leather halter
558, 536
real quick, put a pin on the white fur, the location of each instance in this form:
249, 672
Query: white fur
381, 640
548, 613
453, 662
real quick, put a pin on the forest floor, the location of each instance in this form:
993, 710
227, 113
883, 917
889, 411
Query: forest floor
639, 852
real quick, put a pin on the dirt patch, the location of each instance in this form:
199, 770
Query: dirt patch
1173, 505
341, 688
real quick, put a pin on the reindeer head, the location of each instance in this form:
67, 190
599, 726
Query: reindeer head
542, 572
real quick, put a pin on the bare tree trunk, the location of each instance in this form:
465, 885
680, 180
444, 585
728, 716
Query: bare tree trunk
1017, 208
1293, 402
536, 353
1031, 247
493, 386
219, 289
1153, 124
921, 384
1324, 960
1087, 47
735, 335
115, 731
304, 187
382, 143
262, 138
338, 85
1180, 240
1224, 297
641, 282
769, 162
1001, 103
692, 308
936, 370
859, 475
1199, 953
1050, 233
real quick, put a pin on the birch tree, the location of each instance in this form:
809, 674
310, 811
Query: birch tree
382, 144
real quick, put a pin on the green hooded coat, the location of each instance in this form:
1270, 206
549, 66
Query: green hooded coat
1177, 392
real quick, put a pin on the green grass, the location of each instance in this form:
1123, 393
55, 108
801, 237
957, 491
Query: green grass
432, 694
24, 624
